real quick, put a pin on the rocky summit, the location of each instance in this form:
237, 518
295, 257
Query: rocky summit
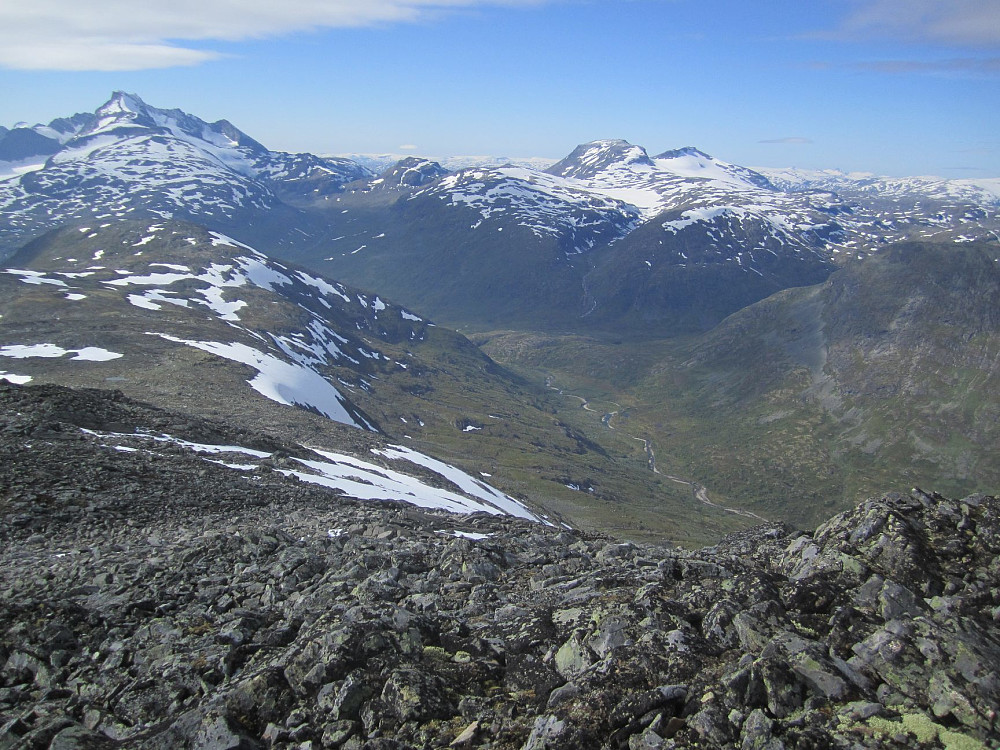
151, 600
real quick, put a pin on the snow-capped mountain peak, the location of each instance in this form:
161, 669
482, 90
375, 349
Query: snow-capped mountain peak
413, 171
590, 160
130, 159
690, 162
124, 112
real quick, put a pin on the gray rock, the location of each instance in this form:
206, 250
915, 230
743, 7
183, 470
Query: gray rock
78, 737
573, 657
545, 733
562, 694
221, 733
756, 733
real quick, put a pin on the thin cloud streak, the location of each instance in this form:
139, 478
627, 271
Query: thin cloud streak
99, 56
962, 66
955, 22
125, 35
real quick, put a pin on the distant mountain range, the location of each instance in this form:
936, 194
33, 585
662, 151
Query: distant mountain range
607, 238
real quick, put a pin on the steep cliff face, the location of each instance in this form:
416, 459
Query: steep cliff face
156, 595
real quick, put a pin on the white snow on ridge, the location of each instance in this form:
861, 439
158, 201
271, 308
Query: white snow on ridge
34, 277
362, 479
368, 481
546, 204
280, 381
469, 485
217, 277
322, 285
84, 149
14, 169
698, 215
51, 351
224, 240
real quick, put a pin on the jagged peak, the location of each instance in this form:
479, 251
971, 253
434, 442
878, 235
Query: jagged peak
122, 101
128, 111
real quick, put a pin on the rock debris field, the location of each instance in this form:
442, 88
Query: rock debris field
151, 599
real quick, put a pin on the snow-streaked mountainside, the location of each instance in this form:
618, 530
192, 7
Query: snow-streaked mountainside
545, 204
395, 478
196, 281
170, 308
129, 159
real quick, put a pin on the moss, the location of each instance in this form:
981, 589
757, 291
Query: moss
925, 730
435, 653
921, 727
955, 741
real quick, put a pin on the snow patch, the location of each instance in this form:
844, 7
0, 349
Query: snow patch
51, 351
280, 381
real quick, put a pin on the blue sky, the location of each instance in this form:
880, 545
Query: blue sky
892, 86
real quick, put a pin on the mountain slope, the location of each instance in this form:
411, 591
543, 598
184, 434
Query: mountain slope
194, 321
885, 375
153, 598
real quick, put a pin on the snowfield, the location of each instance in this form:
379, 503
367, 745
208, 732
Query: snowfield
353, 476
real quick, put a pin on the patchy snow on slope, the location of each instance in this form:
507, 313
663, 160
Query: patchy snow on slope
51, 351
14, 169
357, 478
280, 381
469, 485
34, 277
151, 299
369, 481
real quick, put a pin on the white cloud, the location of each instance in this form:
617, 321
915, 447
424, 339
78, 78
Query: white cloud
84, 54
408, 147
130, 35
955, 22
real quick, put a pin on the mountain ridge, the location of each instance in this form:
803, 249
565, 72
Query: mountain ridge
624, 214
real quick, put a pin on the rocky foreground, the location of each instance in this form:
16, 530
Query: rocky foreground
151, 600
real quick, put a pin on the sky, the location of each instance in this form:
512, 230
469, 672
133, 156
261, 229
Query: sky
895, 87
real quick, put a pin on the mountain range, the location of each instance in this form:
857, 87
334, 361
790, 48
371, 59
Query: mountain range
255, 492
606, 238
771, 340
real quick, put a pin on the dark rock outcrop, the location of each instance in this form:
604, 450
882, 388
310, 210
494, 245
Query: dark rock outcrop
145, 603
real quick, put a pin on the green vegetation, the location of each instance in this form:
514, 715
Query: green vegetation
885, 377
434, 391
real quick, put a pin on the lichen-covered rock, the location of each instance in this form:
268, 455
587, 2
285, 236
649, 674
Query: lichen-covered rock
146, 603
